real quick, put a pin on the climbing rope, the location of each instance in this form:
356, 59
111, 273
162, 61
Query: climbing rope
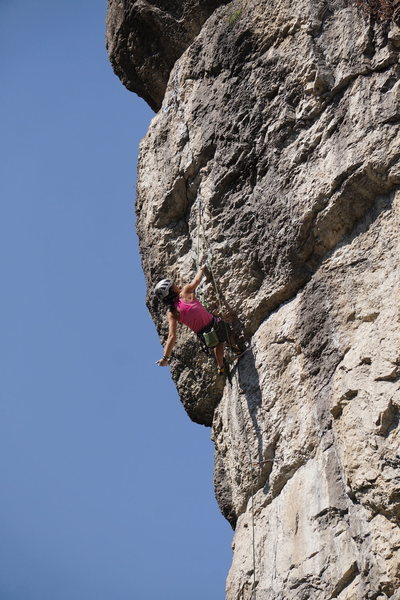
199, 229
201, 232
252, 477
207, 252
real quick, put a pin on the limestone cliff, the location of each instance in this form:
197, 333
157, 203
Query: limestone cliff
278, 131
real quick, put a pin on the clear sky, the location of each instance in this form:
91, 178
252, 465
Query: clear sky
106, 486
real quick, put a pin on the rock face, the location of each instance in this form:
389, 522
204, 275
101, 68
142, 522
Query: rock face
145, 37
275, 157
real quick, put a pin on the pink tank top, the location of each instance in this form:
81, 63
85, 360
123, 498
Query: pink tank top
193, 314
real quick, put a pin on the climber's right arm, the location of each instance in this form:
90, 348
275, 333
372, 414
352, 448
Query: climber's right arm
163, 362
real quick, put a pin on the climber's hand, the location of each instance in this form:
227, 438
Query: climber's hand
163, 362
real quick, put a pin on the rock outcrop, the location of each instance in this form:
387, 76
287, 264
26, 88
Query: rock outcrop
146, 37
275, 157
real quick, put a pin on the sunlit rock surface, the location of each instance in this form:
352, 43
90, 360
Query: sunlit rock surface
278, 137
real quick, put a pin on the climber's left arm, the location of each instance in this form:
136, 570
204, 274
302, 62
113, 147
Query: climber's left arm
191, 287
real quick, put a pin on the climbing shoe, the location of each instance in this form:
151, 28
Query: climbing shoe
221, 371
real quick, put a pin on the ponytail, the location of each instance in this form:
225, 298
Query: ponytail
171, 301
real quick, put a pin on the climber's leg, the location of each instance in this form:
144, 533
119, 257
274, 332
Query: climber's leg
219, 355
233, 344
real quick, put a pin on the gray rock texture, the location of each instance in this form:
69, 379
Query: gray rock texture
145, 37
275, 158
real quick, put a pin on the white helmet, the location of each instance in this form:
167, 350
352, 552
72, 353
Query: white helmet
163, 288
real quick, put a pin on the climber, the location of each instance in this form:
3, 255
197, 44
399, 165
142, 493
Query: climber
184, 307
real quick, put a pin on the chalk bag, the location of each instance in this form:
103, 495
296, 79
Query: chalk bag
211, 338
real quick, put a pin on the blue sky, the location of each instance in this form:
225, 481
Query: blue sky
106, 486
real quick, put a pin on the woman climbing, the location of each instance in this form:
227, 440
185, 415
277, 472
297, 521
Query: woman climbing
184, 307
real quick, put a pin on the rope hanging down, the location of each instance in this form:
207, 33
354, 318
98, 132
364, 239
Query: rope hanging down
199, 228
206, 252
201, 232
252, 478
208, 256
